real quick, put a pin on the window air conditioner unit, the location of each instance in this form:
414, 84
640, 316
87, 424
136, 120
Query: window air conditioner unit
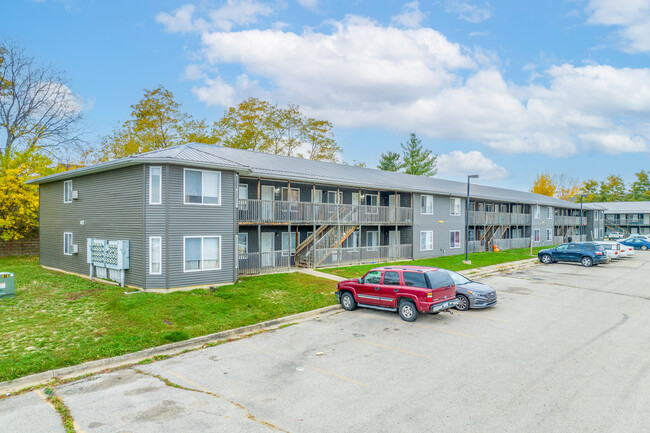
75, 195
75, 249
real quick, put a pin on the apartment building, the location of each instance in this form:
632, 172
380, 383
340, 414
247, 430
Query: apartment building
196, 215
627, 218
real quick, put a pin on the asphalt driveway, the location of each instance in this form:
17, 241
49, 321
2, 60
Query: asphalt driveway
566, 349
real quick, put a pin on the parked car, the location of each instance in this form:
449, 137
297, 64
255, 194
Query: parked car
471, 294
586, 253
615, 235
612, 249
626, 250
642, 237
409, 290
637, 244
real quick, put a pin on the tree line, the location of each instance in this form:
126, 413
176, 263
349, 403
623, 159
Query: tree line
612, 188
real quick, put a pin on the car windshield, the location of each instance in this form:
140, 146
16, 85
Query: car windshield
458, 278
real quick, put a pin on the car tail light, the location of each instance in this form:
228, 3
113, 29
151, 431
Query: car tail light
430, 297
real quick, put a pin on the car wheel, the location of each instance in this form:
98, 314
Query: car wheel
463, 303
348, 302
586, 262
546, 259
407, 311
644, 248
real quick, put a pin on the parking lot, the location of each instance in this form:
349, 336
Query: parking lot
566, 349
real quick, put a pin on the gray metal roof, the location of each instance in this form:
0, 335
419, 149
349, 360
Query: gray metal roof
625, 206
304, 170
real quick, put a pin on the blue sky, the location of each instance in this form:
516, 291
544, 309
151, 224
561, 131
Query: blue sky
504, 89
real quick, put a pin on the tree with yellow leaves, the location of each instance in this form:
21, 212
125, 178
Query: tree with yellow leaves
544, 185
19, 202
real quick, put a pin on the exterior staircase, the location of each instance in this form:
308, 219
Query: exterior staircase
326, 237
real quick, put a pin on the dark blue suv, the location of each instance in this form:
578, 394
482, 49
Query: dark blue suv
586, 253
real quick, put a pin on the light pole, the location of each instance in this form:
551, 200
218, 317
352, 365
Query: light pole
471, 176
581, 195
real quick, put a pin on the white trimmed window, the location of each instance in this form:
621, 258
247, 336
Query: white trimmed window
201, 253
202, 187
537, 211
372, 240
242, 243
536, 235
550, 213
426, 205
67, 243
155, 255
454, 239
426, 240
549, 234
372, 201
285, 243
596, 215
67, 191
242, 193
155, 185
454, 206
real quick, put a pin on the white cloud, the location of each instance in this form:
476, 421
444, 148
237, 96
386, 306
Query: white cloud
309, 4
631, 17
233, 13
460, 164
362, 74
411, 16
468, 12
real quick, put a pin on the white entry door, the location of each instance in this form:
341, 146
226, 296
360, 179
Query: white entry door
267, 247
392, 203
394, 241
268, 195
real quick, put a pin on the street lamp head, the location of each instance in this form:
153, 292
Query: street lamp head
472, 176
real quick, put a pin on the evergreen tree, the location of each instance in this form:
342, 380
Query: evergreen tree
390, 161
417, 160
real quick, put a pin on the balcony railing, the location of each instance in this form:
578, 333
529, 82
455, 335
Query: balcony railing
565, 220
478, 218
274, 211
349, 256
263, 263
626, 222
281, 261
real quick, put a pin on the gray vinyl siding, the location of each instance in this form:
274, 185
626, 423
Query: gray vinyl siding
441, 223
198, 220
543, 223
156, 225
111, 206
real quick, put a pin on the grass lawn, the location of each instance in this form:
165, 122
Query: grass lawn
57, 320
454, 263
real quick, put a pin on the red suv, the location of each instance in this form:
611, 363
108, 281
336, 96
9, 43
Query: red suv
407, 289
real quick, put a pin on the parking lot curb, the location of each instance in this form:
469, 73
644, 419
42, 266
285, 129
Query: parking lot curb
164, 350
487, 271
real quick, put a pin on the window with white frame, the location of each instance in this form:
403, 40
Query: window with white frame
353, 240
550, 213
285, 243
67, 191
201, 253
454, 206
372, 240
536, 235
537, 211
155, 185
426, 205
155, 255
372, 201
67, 243
242, 191
549, 234
426, 240
454, 239
596, 215
242, 243
202, 187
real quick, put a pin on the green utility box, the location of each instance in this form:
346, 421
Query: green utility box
7, 285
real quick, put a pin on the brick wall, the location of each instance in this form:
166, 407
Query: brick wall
21, 247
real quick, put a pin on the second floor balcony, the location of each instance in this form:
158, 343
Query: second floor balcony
498, 218
295, 212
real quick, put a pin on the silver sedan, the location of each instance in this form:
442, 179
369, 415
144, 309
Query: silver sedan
471, 294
